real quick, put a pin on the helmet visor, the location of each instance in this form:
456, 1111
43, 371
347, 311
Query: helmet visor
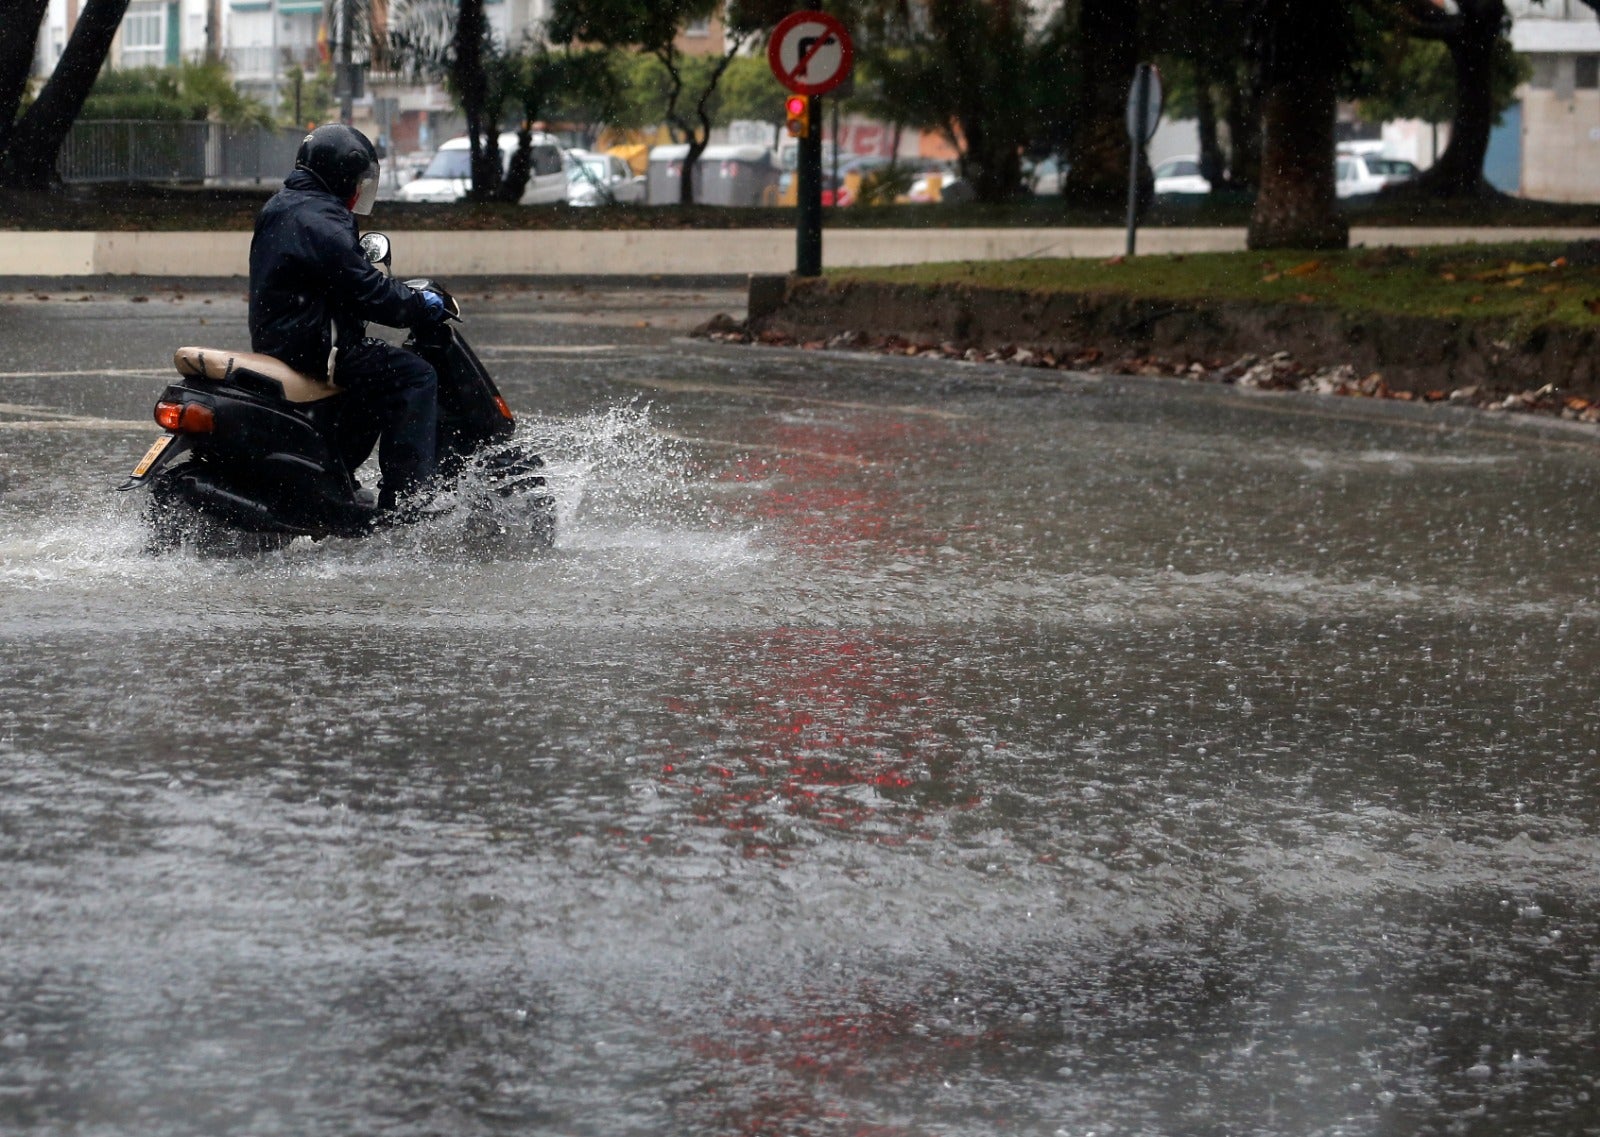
366, 191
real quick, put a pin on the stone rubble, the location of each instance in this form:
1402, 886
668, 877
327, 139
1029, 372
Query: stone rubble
1275, 372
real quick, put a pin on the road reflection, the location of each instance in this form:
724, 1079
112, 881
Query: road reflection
804, 732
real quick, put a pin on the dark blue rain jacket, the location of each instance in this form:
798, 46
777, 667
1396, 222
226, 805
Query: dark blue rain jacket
311, 290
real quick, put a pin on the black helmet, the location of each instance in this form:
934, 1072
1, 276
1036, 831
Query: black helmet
343, 160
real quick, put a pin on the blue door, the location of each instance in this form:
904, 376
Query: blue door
1502, 165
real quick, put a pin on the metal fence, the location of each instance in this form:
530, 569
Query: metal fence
125, 150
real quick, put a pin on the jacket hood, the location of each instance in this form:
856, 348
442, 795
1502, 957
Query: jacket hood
305, 180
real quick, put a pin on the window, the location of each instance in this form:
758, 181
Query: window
546, 161
698, 28
1544, 73
450, 164
144, 38
1586, 72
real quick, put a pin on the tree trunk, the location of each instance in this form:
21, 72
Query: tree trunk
1296, 208
1301, 50
1212, 166
520, 167
987, 53
1097, 147
1242, 115
472, 81
1459, 170
16, 57
697, 147
29, 161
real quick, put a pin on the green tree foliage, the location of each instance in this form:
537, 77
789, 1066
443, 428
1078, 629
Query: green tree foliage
190, 91
976, 71
749, 91
1414, 78
653, 28
307, 98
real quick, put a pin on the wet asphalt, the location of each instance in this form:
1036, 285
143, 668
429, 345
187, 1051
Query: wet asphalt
886, 746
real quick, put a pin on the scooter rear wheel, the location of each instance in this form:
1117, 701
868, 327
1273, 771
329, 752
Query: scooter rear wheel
173, 522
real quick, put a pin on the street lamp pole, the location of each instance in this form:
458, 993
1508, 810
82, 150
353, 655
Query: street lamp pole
277, 63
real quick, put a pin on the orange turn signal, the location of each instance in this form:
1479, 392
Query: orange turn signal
168, 415
504, 409
197, 419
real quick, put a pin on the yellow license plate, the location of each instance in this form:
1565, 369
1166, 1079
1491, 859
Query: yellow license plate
152, 454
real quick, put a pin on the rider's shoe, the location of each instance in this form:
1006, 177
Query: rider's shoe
418, 504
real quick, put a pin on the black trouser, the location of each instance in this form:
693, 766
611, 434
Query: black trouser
391, 398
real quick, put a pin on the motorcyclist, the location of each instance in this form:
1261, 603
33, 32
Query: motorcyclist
312, 293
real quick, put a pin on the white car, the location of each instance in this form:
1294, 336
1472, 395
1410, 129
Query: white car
941, 184
601, 179
1181, 175
1357, 174
449, 175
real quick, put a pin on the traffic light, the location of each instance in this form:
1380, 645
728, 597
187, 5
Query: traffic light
799, 113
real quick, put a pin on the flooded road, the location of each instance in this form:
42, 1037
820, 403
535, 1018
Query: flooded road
886, 747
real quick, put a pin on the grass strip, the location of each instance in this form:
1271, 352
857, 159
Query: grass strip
1531, 283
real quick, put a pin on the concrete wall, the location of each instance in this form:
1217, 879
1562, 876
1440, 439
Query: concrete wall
732, 252
1561, 145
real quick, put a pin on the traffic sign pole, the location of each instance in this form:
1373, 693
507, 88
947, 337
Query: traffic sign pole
1141, 105
811, 54
1145, 99
808, 237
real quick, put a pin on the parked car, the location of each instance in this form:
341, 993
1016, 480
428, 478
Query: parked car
1044, 177
950, 185
1357, 174
602, 179
1180, 175
449, 175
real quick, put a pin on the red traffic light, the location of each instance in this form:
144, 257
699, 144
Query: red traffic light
798, 108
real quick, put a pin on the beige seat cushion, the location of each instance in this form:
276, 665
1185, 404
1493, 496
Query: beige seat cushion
218, 366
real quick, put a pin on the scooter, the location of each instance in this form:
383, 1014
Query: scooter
249, 459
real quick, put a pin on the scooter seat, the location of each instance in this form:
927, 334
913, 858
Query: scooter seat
219, 366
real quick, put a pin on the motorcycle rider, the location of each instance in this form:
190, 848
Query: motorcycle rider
311, 293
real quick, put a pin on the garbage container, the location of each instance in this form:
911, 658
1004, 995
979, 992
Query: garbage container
724, 175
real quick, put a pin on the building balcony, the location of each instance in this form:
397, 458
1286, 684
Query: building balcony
254, 64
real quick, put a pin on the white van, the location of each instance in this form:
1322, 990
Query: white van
449, 175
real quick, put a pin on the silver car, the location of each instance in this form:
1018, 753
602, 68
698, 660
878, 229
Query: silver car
601, 179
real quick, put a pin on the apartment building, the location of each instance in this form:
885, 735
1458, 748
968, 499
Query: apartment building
1551, 138
155, 33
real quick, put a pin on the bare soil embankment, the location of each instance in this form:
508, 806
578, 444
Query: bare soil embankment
1503, 363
